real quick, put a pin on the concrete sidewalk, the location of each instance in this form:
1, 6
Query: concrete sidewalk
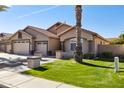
17, 80
11, 76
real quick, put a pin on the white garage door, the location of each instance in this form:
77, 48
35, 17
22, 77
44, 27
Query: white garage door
21, 47
41, 47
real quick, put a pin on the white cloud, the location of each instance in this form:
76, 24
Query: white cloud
38, 11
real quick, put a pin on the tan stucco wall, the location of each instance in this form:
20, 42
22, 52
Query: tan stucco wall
53, 45
60, 28
67, 46
39, 36
97, 41
2, 47
15, 37
8, 48
24, 36
117, 50
86, 36
85, 47
72, 33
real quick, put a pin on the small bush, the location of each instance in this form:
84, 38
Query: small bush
106, 55
50, 53
117, 41
88, 56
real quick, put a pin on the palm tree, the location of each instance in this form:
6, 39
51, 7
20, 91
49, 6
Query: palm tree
78, 52
3, 8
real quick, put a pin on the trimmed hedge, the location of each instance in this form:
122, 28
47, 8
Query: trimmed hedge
88, 56
106, 55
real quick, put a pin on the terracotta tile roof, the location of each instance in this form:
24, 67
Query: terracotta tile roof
95, 34
57, 26
43, 31
70, 28
54, 25
87, 31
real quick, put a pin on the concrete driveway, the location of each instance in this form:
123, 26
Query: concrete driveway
11, 76
18, 63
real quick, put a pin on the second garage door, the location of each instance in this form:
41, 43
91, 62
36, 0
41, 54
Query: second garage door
21, 47
42, 47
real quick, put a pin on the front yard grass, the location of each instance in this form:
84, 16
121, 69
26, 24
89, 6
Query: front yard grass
91, 74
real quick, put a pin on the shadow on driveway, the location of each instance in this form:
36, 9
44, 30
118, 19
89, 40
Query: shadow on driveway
4, 62
41, 69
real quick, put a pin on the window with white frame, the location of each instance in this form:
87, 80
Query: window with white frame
73, 44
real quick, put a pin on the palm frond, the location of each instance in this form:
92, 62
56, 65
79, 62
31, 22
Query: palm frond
3, 8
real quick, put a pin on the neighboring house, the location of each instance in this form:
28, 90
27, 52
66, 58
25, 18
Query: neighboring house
58, 36
4, 41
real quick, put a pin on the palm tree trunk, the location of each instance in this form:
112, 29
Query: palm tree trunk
78, 52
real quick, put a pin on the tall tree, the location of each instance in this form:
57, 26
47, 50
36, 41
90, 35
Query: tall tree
3, 8
78, 52
121, 36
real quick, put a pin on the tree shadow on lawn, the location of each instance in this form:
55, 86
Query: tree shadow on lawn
108, 60
120, 71
93, 65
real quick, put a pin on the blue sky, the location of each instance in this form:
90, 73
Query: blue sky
108, 21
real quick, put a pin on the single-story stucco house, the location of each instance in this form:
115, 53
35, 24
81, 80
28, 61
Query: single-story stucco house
59, 36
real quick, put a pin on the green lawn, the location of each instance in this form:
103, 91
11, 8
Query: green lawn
93, 73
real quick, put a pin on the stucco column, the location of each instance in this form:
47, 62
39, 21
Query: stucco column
90, 46
62, 45
33, 45
11, 47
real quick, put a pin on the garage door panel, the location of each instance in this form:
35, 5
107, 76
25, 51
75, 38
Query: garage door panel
42, 47
21, 47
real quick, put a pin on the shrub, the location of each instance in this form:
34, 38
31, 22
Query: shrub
88, 56
106, 55
50, 53
117, 41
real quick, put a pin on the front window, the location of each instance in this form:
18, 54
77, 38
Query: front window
73, 46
